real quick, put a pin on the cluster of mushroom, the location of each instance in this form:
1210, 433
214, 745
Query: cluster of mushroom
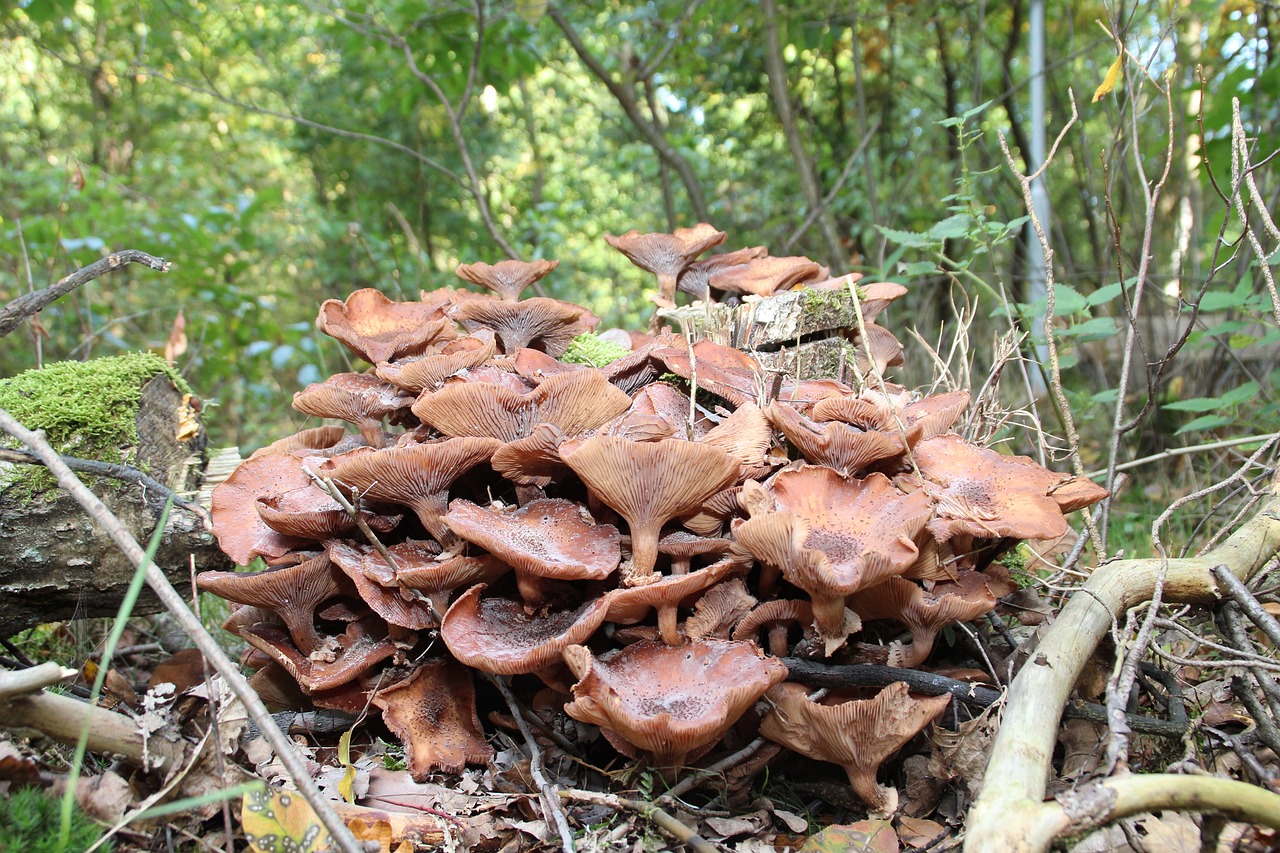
626, 531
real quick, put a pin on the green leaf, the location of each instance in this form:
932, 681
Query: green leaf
1094, 329
1195, 404
952, 226
1107, 292
918, 268
1106, 397
1234, 397
1204, 422
907, 238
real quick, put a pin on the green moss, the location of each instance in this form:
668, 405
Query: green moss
31, 821
86, 408
591, 349
1016, 561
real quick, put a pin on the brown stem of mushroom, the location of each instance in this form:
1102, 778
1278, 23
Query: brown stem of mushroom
175, 604
532, 590
430, 510
644, 551
669, 624
373, 434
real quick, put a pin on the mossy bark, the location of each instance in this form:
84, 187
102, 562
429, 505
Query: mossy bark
54, 562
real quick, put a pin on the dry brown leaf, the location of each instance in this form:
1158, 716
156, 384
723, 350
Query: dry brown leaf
177, 343
962, 755
917, 832
1082, 747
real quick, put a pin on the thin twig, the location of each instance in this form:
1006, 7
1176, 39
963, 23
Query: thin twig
681, 832
115, 472
548, 793
174, 602
700, 775
30, 304
1250, 605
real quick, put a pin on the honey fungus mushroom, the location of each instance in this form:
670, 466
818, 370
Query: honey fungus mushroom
376, 329
672, 702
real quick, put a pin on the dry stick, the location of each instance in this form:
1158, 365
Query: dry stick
115, 472
1181, 451
1250, 605
1010, 814
1051, 343
702, 774
682, 833
30, 304
825, 204
175, 604
547, 792
1240, 165
1269, 686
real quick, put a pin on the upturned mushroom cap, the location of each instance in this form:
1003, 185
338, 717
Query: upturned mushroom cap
649, 483
629, 606
312, 513
695, 280
547, 538
356, 398
844, 448
429, 372
241, 532
924, 418
539, 323
982, 493
433, 712
360, 648
416, 476
744, 435
574, 402
924, 612
506, 278
316, 438
858, 735
765, 276
499, 635
666, 255
377, 329
674, 702
717, 611
533, 460
294, 593
831, 537
398, 606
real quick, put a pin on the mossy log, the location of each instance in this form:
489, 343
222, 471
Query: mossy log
55, 564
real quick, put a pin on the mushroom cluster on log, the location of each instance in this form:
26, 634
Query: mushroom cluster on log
519, 498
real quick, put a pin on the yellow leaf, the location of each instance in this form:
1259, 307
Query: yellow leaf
1109, 82
347, 787
281, 822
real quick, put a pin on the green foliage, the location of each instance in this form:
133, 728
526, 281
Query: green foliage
30, 818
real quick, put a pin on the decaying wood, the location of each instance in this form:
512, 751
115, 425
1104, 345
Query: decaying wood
1011, 813
56, 563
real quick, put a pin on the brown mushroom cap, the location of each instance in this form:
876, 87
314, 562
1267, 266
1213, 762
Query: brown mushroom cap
682, 546
548, 538
360, 648
499, 635
983, 493
765, 276
430, 371
538, 323
506, 278
843, 448
858, 735
241, 532
773, 615
738, 378
433, 712
294, 593
356, 398
649, 483
398, 606
695, 280
744, 435
575, 402
316, 438
666, 255
416, 476
312, 513
377, 329
719, 610
924, 612
831, 537
628, 606
674, 702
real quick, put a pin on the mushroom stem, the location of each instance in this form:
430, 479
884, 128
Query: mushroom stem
430, 509
529, 494
644, 552
669, 625
373, 435
532, 590
835, 621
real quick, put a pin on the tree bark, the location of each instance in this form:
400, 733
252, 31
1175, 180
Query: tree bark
777, 72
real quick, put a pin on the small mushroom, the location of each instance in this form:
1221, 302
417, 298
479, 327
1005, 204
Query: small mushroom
765, 276
429, 371
376, 329
539, 323
774, 615
858, 734
294, 593
648, 484
360, 648
433, 712
718, 610
356, 398
506, 278
682, 546
499, 635
846, 449
549, 538
924, 612
673, 702
416, 476
312, 513
397, 606
695, 280
666, 255
629, 606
